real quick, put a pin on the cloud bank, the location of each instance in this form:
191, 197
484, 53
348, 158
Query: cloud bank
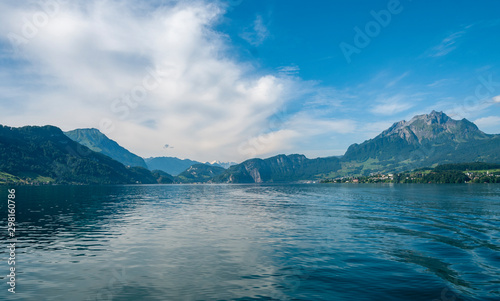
144, 74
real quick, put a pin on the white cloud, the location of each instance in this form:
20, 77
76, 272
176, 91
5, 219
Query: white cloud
440, 82
92, 53
301, 132
468, 109
392, 105
447, 45
397, 79
257, 33
488, 122
269, 144
289, 70
159, 74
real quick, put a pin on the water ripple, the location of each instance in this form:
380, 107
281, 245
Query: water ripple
259, 242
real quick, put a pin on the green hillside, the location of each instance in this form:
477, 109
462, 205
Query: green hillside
280, 168
199, 173
98, 142
45, 154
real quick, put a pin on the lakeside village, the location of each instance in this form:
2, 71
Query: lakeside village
438, 175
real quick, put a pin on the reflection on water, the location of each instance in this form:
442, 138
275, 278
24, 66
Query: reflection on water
251, 242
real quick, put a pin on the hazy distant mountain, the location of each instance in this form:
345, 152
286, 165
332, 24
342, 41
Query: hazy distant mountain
46, 154
162, 177
425, 140
171, 165
280, 168
225, 165
98, 142
199, 173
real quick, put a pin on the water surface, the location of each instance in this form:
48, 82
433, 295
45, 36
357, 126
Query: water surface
256, 242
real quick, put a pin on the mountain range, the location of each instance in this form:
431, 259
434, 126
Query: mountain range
98, 142
280, 168
171, 165
45, 154
224, 165
199, 173
89, 157
175, 166
425, 140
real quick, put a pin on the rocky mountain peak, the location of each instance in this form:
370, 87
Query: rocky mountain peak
432, 126
432, 118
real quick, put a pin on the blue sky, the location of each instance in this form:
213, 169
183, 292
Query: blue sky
230, 80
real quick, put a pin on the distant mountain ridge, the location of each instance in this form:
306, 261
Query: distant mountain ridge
280, 168
175, 166
46, 155
98, 142
199, 173
424, 141
224, 165
171, 165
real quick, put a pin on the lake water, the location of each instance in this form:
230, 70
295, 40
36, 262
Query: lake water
255, 242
